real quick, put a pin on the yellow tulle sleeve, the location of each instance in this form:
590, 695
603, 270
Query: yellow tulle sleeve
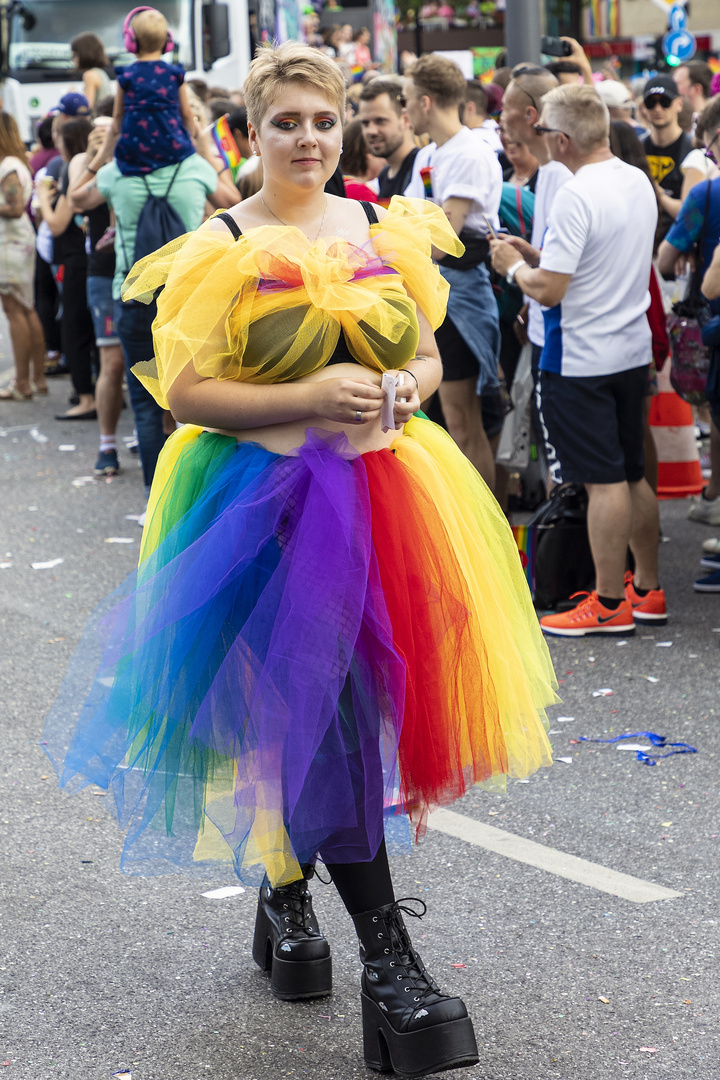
404, 239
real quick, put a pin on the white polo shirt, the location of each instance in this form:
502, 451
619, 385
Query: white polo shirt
462, 168
601, 230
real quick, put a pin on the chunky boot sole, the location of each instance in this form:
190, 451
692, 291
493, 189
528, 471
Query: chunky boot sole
416, 1053
290, 980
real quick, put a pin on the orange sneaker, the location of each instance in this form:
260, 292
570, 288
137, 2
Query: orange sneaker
649, 609
590, 617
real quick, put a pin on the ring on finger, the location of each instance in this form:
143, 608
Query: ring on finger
358, 416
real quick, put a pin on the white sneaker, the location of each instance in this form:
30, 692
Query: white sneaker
705, 510
712, 546
141, 519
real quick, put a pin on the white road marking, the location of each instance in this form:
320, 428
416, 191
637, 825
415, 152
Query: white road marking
549, 859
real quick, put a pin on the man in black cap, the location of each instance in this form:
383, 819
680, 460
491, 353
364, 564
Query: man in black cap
666, 144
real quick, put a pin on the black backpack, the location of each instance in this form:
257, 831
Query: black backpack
563, 561
158, 224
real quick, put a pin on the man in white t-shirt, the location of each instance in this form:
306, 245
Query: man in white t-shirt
522, 102
593, 282
461, 174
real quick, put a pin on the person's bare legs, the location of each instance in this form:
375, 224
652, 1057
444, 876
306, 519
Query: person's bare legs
37, 349
713, 485
20, 336
108, 388
645, 534
462, 409
609, 523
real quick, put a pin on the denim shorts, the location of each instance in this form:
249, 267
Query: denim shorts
102, 308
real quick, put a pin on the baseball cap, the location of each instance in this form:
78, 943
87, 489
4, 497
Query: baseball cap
615, 94
660, 86
72, 104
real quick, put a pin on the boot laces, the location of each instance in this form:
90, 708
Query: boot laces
411, 968
298, 904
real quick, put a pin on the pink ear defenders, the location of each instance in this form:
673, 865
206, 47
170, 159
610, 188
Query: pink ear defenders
129, 38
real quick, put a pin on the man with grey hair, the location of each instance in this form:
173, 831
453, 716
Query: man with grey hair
521, 105
592, 281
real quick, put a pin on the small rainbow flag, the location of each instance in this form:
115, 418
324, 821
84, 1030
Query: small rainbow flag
613, 18
525, 540
357, 71
226, 145
426, 174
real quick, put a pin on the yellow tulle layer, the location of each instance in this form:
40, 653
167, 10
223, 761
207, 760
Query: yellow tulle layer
517, 657
270, 306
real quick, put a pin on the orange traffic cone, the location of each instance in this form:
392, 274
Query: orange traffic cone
673, 429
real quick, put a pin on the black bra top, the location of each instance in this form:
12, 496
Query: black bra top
341, 353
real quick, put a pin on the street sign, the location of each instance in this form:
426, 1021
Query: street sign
678, 44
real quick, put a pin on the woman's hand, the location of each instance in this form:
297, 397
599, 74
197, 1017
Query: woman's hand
343, 399
407, 401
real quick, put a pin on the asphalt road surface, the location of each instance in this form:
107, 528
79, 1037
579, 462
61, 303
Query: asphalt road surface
567, 970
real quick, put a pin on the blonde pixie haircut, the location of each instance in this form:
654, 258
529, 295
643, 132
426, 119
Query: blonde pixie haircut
580, 113
292, 62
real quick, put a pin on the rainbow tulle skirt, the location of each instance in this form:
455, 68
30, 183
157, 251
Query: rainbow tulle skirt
314, 646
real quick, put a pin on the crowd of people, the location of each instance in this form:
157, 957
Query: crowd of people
327, 586
72, 209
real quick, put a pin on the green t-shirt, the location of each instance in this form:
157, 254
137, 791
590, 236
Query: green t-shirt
196, 179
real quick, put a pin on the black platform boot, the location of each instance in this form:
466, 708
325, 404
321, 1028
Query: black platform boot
409, 1026
288, 942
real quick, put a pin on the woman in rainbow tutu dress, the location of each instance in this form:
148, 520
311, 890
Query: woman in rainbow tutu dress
329, 633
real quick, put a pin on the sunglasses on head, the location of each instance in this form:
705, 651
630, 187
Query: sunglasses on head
658, 99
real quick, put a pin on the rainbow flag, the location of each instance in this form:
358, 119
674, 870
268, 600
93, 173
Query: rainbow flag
594, 21
357, 71
525, 540
226, 145
613, 18
426, 174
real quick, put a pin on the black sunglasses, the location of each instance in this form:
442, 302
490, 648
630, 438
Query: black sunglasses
660, 99
540, 130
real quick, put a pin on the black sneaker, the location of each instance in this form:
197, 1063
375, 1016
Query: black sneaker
107, 463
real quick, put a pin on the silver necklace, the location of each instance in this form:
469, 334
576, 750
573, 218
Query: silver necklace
317, 234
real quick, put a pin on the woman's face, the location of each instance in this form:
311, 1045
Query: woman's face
299, 137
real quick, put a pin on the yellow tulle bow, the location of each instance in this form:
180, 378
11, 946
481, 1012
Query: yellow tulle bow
270, 307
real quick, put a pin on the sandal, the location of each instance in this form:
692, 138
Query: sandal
13, 394
41, 390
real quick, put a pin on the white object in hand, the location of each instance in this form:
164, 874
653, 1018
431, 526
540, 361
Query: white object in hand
389, 384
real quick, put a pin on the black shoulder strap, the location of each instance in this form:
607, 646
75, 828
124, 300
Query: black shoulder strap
370, 212
231, 223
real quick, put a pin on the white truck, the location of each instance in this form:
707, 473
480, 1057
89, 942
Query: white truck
214, 42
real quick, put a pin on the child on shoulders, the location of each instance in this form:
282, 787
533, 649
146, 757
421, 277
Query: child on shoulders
152, 113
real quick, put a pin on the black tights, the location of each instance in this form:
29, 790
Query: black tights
364, 886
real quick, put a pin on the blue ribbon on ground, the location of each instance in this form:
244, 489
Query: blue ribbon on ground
656, 740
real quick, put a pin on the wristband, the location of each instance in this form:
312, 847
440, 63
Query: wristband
510, 274
412, 377
94, 172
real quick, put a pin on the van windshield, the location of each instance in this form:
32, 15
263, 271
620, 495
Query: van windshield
45, 48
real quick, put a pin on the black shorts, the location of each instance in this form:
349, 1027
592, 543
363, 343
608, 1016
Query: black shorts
459, 362
458, 359
593, 427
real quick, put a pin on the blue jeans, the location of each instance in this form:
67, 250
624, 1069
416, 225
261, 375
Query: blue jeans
134, 328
